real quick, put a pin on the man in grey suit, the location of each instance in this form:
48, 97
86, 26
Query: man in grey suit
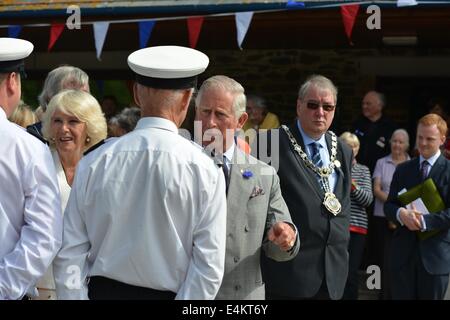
257, 216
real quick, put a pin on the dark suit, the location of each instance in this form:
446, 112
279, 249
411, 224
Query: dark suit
420, 268
323, 256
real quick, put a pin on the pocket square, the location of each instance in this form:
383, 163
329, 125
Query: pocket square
257, 191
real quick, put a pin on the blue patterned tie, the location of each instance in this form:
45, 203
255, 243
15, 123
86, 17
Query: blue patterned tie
315, 154
424, 169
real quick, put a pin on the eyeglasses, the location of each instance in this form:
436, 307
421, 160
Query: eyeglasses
313, 105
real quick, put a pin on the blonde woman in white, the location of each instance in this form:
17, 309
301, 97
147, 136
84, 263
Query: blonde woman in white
73, 123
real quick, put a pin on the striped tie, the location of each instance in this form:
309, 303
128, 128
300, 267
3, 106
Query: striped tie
315, 154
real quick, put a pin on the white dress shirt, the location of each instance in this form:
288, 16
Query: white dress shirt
149, 210
30, 210
323, 151
47, 281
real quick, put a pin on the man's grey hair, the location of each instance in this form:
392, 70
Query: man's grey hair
321, 83
258, 101
381, 97
63, 77
228, 84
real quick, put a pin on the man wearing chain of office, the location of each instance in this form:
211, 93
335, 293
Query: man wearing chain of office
315, 178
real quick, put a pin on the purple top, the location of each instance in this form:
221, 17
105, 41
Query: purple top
384, 170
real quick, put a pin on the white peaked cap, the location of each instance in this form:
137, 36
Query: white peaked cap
12, 53
168, 67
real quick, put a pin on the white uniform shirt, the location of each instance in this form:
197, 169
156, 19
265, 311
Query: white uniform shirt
148, 209
30, 210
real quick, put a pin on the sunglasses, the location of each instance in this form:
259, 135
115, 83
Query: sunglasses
313, 105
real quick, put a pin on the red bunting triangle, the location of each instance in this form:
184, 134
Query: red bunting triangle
55, 32
194, 26
349, 14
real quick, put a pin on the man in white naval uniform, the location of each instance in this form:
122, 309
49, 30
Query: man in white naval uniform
30, 210
147, 214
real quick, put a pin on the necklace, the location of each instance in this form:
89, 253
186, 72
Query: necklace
330, 201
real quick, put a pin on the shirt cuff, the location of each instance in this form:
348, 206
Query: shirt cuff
424, 225
398, 217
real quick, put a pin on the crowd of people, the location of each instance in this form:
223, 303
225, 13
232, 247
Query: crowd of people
101, 204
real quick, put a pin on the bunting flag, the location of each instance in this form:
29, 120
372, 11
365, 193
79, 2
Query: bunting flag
55, 32
292, 4
14, 31
243, 20
100, 31
145, 31
194, 26
406, 3
349, 14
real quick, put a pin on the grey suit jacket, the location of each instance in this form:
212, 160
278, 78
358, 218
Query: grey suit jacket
254, 204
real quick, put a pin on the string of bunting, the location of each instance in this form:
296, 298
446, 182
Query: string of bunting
349, 12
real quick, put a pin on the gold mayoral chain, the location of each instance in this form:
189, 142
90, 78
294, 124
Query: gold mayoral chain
330, 201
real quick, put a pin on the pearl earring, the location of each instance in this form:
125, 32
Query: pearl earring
88, 139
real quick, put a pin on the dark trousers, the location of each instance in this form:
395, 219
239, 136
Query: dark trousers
322, 294
382, 238
355, 251
101, 288
413, 282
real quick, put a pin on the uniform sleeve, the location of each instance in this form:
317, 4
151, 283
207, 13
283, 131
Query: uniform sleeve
278, 211
206, 268
41, 233
70, 265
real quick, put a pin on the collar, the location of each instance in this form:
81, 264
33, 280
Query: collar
389, 158
3, 113
230, 152
430, 160
156, 122
307, 139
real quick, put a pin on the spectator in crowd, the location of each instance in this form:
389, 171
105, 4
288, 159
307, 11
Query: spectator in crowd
440, 107
72, 123
122, 226
23, 115
30, 208
61, 78
420, 263
123, 122
361, 197
257, 216
109, 106
259, 116
373, 130
382, 229
315, 180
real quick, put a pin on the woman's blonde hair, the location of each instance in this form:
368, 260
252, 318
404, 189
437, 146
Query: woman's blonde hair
350, 139
83, 106
23, 115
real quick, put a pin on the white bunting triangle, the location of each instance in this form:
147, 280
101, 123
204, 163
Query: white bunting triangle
100, 30
243, 20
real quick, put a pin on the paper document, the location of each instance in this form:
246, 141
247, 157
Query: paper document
419, 206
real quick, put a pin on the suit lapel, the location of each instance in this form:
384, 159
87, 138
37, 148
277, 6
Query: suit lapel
436, 169
240, 187
338, 190
308, 173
